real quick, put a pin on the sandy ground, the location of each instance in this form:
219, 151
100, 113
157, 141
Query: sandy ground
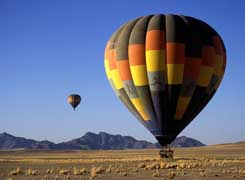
224, 162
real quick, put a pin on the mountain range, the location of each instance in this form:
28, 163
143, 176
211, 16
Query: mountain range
90, 140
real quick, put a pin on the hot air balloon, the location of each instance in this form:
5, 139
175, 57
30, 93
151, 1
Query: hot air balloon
74, 100
165, 69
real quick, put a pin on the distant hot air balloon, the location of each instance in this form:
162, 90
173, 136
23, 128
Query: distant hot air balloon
165, 69
74, 100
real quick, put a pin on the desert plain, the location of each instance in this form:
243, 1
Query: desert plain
226, 162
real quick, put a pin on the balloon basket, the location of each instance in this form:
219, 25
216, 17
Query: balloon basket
166, 153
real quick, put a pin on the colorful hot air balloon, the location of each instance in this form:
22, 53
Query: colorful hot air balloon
165, 69
74, 100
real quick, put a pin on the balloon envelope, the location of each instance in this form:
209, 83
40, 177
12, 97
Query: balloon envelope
165, 69
74, 100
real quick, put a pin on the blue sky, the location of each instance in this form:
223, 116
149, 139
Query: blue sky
52, 48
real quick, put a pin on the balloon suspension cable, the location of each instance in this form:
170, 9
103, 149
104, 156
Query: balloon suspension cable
166, 152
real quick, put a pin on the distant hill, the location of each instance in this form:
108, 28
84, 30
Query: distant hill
241, 142
91, 140
235, 144
107, 141
184, 141
8, 141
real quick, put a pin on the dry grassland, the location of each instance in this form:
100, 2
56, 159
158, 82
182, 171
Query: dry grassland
226, 162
